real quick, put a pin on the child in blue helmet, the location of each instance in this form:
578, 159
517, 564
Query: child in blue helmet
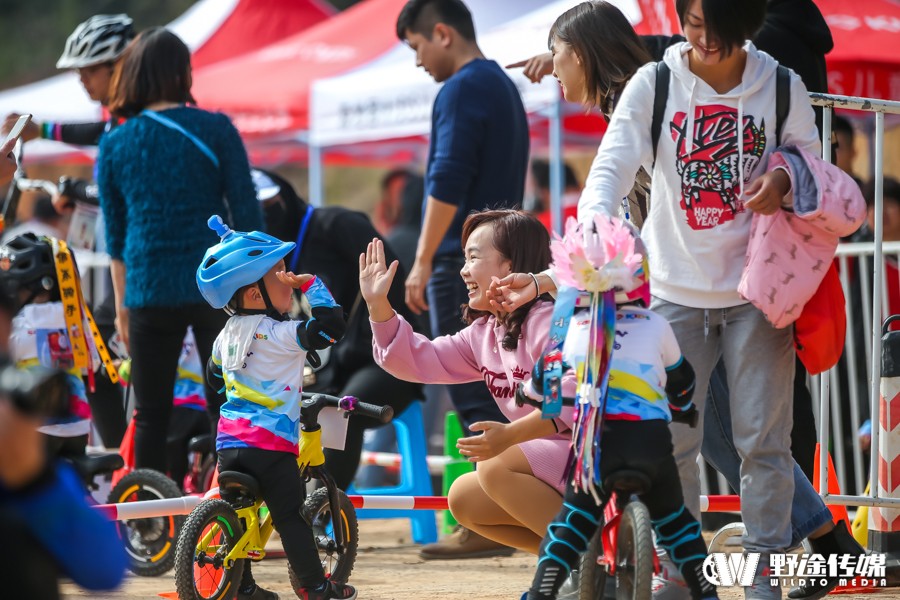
259, 356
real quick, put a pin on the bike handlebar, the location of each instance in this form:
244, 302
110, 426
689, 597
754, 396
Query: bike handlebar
522, 399
313, 403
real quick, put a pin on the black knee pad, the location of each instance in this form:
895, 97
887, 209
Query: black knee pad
680, 535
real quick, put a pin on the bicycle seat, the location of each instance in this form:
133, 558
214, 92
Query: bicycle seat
238, 489
201, 444
91, 465
627, 481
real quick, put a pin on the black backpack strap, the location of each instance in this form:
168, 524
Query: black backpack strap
660, 98
782, 100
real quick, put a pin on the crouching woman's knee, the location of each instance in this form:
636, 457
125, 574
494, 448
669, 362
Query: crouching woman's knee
463, 499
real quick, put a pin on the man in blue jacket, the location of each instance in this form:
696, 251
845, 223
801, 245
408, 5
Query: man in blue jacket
477, 159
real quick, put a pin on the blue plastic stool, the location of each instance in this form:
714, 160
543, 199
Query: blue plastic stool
415, 480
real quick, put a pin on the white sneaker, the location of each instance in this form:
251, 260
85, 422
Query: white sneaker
569, 590
762, 588
668, 584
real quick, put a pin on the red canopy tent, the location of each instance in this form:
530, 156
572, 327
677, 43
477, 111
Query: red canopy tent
253, 24
267, 92
866, 57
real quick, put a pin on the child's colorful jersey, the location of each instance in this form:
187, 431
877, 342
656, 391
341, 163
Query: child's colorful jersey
645, 348
39, 338
262, 366
189, 389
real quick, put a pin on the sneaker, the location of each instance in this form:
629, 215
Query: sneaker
668, 584
569, 590
464, 543
762, 588
258, 594
333, 590
844, 543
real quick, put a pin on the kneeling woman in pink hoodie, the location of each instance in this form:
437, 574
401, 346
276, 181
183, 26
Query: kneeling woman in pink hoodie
518, 485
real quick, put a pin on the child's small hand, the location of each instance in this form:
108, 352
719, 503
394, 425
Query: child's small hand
494, 440
295, 281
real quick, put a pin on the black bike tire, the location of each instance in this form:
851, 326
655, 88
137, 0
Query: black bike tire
138, 485
591, 575
634, 543
315, 505
185, 551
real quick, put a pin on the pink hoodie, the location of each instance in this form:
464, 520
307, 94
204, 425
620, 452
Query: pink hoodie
476, 353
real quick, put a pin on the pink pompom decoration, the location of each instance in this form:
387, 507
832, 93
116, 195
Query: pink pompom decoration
596, 256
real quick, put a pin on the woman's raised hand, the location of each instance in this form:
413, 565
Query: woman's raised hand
375, 278
511, 292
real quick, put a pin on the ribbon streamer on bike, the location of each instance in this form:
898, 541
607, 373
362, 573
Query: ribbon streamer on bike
598, 258
78, 317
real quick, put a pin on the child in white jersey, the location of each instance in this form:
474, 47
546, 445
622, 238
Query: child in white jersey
650, 384
259, 357
43, 335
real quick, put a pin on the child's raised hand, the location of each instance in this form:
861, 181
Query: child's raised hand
295, 281
375, 278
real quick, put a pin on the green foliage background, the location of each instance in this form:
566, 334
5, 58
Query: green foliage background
33, 32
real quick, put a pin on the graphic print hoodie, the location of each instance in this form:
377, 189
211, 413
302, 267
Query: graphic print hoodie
697, 228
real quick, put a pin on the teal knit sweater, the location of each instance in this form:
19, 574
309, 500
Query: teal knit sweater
157, 190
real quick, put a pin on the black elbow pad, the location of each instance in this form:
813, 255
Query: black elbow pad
324, 329
214, 376
680, 383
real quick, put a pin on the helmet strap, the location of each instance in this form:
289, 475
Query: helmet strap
270, 309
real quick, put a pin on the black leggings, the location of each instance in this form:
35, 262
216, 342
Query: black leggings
107, 402
185, 424
157, 335
644, 446
284, 492
370, 384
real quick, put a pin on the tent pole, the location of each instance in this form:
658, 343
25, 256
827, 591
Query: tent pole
556, 165
316, 182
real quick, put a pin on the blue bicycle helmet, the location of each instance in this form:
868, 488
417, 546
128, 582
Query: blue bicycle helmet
238, 260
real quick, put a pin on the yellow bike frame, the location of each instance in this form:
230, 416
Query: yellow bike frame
258, 529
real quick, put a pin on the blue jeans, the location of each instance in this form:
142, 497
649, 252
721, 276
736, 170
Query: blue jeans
808, 512
446, 293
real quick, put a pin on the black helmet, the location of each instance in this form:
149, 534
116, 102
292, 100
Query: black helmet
26, 262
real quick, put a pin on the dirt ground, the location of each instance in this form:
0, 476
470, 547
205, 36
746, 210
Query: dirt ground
388, 568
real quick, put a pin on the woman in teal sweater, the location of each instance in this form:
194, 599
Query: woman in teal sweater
161, 175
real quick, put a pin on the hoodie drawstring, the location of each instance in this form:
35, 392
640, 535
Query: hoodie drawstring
689, 131
740, 140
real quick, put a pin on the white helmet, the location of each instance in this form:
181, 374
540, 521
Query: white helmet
100, 39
